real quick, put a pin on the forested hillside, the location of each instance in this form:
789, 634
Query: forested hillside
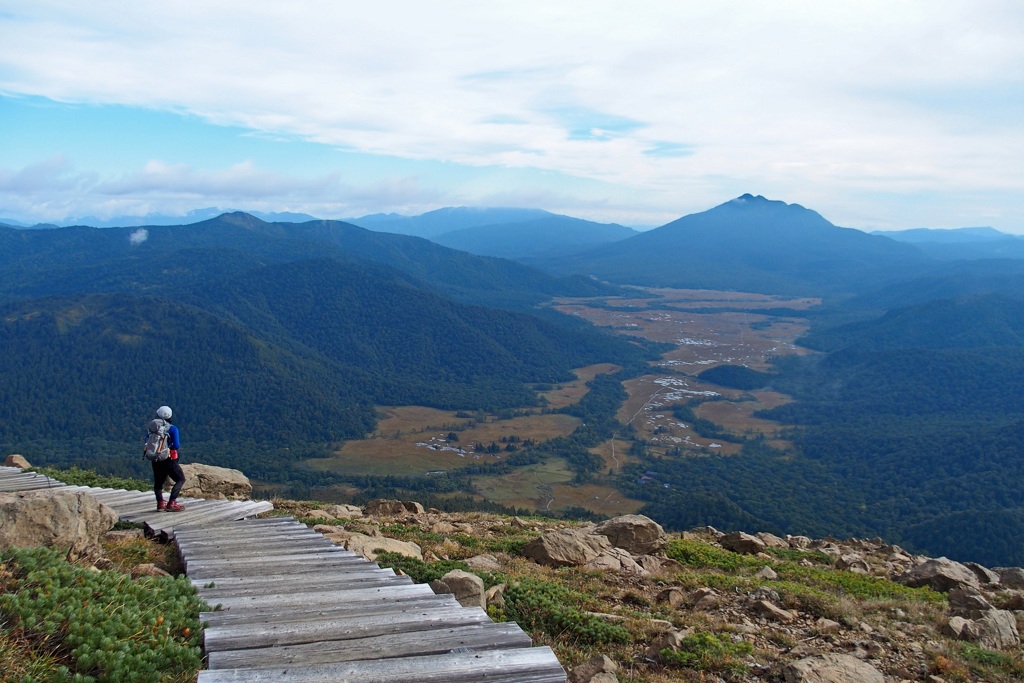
909, 427
270, 341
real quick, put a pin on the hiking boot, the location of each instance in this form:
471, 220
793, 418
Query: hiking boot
174, 506
161, 505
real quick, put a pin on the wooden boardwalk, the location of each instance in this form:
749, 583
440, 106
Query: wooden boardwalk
290, 606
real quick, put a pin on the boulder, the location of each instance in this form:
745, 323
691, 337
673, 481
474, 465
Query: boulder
940, 574
997, 630
597, 669
636, 534
566, 547
467, 588
832, 668
344, 511
392, 508
853, 562
1010, 577
984, 574
771, 540
616, 560
16, 460
384, 508
486, 563
799, 542
218, 483
739, 542
369, 546
770, 611
70, 521
969, 603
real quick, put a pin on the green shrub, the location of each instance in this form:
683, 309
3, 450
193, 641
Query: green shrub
79, 477
705, 651
550, 608
706, 556
857, 585
105, 626
418, 570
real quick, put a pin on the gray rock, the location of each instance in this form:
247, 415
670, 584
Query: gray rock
16, 460
969, 603
616, 560
984, 574
940, 574
771, 540
997, 630
1010, 577
71, 521
595, 670
739, 542
636, 534
216, 483
467, 588
566, 548
384, 508
487, 563
832, 668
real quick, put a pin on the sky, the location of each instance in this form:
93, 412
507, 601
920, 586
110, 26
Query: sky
878, 115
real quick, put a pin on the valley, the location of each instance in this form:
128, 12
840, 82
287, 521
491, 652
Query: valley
704, 329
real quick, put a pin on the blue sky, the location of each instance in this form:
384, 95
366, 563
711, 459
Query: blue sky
876, 114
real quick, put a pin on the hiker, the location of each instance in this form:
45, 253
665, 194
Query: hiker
165, 459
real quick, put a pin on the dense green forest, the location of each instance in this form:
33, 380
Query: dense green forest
910, 428
271, 342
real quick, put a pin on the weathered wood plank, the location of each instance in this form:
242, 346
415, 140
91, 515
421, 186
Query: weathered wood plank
343, 593
295, 583
294, 613
247, 637
518, 665
212, 550
275, 547
297, 568
476, 637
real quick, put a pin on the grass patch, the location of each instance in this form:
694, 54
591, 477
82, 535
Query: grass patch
558, 612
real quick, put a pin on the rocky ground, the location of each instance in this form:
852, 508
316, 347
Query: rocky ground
709, 606
624, 601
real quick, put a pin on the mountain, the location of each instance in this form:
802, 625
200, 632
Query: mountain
194, 216
441, 221
750, 244
84, 259
947, 280
279, 334
542, 237
954, 236
962, 243
968, 322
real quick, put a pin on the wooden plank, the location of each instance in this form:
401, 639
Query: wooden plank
340, 593
518, 665
356, 599
297, 582
193, 550
284, 556
245, 530
246, 637
476, 637
286, 614
296, 566
257, 555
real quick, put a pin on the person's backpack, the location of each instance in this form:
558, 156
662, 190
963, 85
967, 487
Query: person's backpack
157, 441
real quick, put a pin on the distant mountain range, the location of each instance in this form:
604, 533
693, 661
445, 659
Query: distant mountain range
749, 244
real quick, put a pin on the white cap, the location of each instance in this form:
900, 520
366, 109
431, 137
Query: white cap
164, 412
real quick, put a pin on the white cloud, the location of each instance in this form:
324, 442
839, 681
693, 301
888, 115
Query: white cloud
809, 100
138, 236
